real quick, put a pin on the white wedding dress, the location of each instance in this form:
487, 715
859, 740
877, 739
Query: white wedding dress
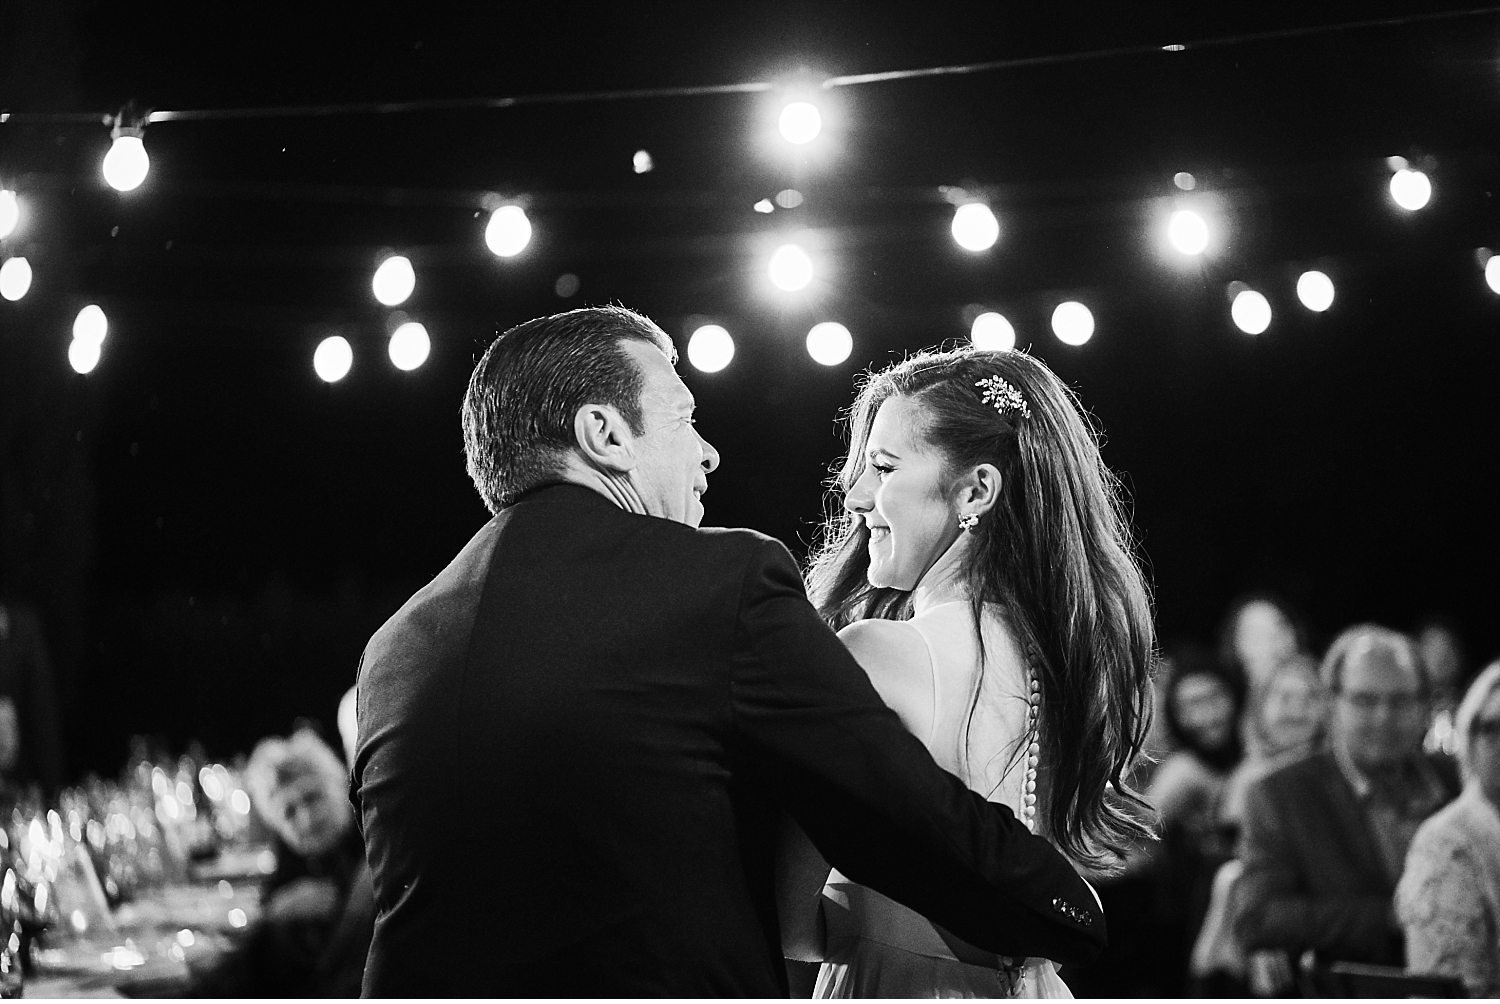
876, 947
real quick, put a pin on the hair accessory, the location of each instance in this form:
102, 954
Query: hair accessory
1000, 394
968, 521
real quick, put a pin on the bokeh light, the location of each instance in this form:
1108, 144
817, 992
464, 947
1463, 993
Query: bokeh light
975, 227
91, 325
15, 278
333, 359
829, 343
409, 346
992, 331
394, 280
1072, 323
1184, 181
508, 232
1492, 272
800, 122
83, 355
1187, 231
1410, 189
641, 162
10, 212
790, 268
710, 348
126, 164
1250, 311
1315, 290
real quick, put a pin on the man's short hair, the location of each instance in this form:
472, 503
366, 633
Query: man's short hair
1362, 638
518, 412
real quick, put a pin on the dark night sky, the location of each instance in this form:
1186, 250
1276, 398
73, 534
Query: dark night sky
212, 532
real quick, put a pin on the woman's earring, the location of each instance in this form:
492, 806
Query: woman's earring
968, 521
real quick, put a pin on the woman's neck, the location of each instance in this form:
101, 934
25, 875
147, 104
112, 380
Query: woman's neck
943, 582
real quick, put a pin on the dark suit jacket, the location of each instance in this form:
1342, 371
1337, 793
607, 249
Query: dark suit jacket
1313, 874
575, 746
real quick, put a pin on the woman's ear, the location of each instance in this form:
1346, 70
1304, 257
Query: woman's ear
979, 490
603, 438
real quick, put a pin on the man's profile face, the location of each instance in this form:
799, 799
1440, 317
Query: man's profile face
672, 461
1379, 715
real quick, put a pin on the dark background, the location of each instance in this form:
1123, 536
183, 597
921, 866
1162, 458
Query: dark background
211, 532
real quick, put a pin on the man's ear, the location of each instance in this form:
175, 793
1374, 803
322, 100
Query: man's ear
603, 438
979, 490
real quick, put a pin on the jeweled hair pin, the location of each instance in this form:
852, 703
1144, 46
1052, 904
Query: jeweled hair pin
1000, 394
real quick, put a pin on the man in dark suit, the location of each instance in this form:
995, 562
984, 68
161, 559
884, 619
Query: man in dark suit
1325, 838
578, 743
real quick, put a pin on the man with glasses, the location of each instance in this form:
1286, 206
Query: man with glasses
1325, 839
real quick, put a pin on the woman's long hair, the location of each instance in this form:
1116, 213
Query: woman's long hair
1055, 553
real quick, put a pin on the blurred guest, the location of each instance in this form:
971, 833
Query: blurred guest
1325, 838
1284, 722
318, 908
1202, 709
1448, 899
30, 727
1443, 654
1260, 632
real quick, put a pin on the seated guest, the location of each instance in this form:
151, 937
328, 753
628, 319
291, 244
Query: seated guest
1283, 723
1202, 711
318, 908
1448, 899
1325, 838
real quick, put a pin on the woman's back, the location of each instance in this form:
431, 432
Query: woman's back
876, 947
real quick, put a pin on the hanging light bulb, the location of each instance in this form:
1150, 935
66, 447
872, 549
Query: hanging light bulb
975, 227
10, 212
333, 358
1410, 189
800, 122
126, 164
409, 346
90, 325
508, 232
15, 278
394, 280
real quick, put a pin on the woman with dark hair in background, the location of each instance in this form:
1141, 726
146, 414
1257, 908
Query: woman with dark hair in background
982, 573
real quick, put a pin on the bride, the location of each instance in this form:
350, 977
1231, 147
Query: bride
982, 574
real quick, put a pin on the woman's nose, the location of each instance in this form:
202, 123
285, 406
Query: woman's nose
858, 500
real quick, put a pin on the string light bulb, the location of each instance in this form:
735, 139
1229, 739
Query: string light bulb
1072, 323
508, 232
394, 280
829, 343
1315, 290
1411, 189
10, 212
126, 164
15, 278
710, 348
90, 325
800, 122
992, 331
333, 359
975, 227
409, 346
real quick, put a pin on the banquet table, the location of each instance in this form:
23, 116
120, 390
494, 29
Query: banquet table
150, 945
